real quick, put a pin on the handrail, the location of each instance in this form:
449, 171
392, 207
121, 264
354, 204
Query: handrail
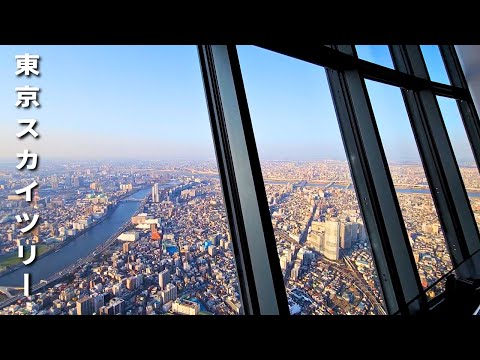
439, 280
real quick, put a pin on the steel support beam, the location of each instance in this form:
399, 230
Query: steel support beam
337, 60
377, 199
467, 108
437, 154
258, 266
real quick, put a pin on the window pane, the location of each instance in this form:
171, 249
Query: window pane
115, 129
378, 54
463, 152
421, 219
321, 240
434, 62
469, 56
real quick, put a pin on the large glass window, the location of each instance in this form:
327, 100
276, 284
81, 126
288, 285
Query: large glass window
463, 152
321, 240
421, 219
435, 66
378, 54
132, 217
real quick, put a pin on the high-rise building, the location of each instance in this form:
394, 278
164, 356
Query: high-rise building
362, 232
288, 254
126, 247
155, 194
132, 283
235, 305
316, 240
169, 293
153, 228
116, 306
116, 289
155, 235
212, 250
348, 234
296, 270
66, 295
140, 218
317, 226
126, 186
85, 306
54, 182
185, 307
332, 240
98, 302
283, 262
163, 278
77, 181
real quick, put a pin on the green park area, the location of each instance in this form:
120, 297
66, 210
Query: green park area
11, 259
205, 313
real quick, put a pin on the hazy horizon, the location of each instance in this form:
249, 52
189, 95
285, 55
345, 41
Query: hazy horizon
4, 161
146, 102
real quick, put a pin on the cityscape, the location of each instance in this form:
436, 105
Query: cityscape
152, 238
131, 214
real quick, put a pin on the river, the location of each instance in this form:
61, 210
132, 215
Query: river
78, 248
86, 243
336, 186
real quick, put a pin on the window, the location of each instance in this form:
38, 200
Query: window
132, 211
133, 218
378, 54
284, 97
420, 216
463, 152
321, 240
435, 65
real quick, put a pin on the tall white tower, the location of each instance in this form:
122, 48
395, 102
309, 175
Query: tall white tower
155, 194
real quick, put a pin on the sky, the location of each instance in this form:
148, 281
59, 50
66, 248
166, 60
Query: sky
109, 102
148, 102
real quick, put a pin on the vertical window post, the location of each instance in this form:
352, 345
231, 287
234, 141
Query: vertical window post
373, 184
440, 164
258, 266
467, 108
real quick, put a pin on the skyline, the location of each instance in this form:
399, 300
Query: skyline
161, 88
127, 211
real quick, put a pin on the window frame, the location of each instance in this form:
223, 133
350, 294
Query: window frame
243, 187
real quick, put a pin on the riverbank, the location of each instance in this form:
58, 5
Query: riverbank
11, 259
60, 245
68, 271
416, 189
56, 247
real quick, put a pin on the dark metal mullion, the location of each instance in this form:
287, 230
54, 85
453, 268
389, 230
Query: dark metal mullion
431, 161
257, 177
363, 185
337, 60
441, 156
467, 109
240, 170
453, 66
224, 163
377, 199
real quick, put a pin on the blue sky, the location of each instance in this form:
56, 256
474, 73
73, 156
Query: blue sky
148, 102
110, 101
